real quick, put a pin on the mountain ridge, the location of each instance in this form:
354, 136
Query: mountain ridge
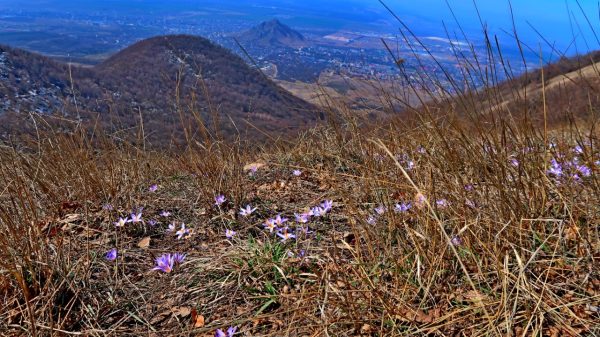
273, 33
162, 77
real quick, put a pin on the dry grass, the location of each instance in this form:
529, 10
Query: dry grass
526, 264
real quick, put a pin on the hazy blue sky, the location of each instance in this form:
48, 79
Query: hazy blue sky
550, 17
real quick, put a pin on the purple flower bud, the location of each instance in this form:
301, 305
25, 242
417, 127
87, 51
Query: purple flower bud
111, 255
220, 200
456, 241
380, 210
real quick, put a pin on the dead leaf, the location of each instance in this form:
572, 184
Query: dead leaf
144, 243
412, 315
159, 318
366, 329
71, 218
474, 295
253, 166
572, 232
197, 320
181, 311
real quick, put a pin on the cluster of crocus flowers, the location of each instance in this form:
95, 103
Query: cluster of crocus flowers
566, 169
402, 207
167, 262
377, 212
322, 209
278, 225
135, 217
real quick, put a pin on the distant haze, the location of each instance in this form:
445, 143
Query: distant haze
557, 20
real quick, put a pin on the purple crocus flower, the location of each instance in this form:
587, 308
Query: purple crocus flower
303, 230
247, 211
410, 165
442, 203
286, 235
326, 206
371, 220
578, 149
182, 232
178, 258
172, 227
230, 332
555, 168
279, 220
136, 217
111, 255
165, 214
152, 222
380, 210
421, 149
317, 211
252, 170
584, 170
153, 188
469, 187
402, 207
297, 173
107, 207
270, 225
456, 241
164, 263
302, 218
514, 162
230, 234
220, 199
121, 222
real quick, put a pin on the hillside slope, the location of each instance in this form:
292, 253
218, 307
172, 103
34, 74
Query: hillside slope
570, 86
170, 80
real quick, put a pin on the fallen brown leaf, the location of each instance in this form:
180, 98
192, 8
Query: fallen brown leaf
181, 311
144, 243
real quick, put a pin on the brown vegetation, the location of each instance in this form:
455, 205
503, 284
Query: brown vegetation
165, 81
